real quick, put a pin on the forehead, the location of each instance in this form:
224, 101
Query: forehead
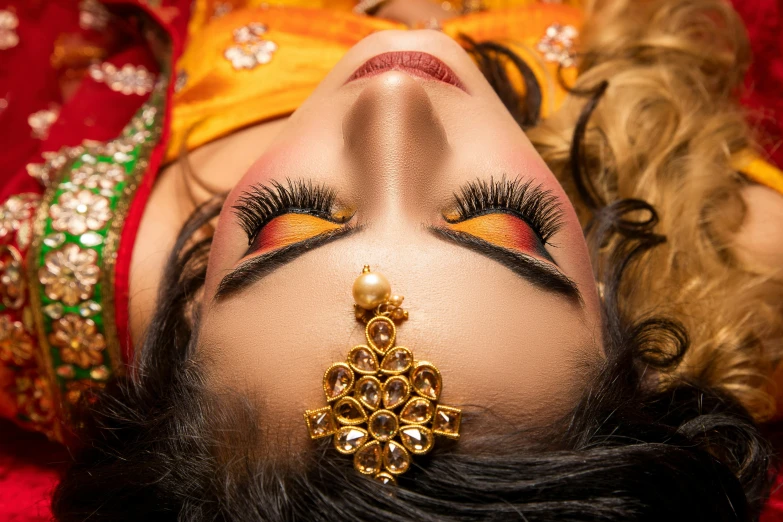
499, 343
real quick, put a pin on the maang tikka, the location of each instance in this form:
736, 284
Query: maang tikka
382, 412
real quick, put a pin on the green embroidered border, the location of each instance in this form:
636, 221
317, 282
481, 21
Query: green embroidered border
131, 152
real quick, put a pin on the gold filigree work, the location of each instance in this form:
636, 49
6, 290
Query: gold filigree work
382, 411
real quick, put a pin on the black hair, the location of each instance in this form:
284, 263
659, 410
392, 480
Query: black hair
158, 444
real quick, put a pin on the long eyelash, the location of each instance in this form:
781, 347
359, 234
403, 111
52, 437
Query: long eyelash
538, 207
261, 203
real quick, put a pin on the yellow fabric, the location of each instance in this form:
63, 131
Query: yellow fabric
759, 170
313, 35
217, 99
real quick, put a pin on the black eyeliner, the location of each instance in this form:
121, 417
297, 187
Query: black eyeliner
539, 273
258, 267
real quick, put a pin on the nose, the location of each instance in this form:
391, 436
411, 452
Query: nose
395, 145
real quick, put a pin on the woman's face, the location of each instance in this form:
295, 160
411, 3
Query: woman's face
497, 282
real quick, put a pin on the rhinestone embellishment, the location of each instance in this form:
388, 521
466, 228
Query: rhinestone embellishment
250, 49
383, 413
558, 44
128, 79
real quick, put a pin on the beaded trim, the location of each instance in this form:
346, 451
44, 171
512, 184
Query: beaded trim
18, 346
71, 262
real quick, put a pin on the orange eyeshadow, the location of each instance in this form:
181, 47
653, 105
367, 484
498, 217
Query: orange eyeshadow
289, 229
503, 230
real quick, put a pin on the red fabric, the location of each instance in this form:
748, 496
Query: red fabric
29, 465
29, 468
177, 32
764, 83
763, 96
774, 510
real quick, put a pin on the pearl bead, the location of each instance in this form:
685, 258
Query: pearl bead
371, 289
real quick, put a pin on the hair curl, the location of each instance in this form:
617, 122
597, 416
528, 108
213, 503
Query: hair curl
666, 131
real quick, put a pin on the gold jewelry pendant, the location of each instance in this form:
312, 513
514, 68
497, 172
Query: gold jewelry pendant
382, 403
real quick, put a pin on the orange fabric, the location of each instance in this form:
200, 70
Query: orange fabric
313, 35
760, 171
521, 30
218, 99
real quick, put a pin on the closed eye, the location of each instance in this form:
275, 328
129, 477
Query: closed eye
506, 231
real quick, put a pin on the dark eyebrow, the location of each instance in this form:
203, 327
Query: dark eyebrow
256, 268
540, 274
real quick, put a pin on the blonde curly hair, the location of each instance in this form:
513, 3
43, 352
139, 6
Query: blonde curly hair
665, 131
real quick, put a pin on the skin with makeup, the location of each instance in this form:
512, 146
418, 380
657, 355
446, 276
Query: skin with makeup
544, 316
404, 159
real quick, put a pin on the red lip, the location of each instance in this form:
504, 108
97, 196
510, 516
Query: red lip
412, 62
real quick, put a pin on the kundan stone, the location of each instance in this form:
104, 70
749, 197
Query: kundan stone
349, 439
426, 380
397, 360
367, 459
418, 411
396, 391
368, 391
383, 425
396, 459
338, 380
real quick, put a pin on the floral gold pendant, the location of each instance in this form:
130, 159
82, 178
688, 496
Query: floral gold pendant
382, 404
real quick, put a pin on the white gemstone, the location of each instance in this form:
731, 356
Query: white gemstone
54, 310
54, 240
91, 239
89, 308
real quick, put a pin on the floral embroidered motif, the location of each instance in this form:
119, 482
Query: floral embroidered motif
8, 24
78, 212
12, 284
129, 79
251, 50
93, 15
79, 341
557, 44
70, 274
41, 121
102, 175
16, 345
33, 399
53, 162
16, 215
